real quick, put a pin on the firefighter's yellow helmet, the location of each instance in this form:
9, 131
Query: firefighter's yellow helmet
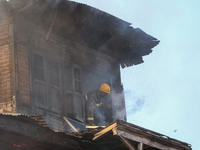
105, 88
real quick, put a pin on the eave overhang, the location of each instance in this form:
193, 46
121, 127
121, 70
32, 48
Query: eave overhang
87, 26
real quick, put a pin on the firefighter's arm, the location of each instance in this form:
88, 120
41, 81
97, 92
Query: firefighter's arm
107, 103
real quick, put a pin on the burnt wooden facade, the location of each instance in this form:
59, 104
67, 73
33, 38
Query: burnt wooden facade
54, 52
51, 54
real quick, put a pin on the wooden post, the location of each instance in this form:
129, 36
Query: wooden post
140, 146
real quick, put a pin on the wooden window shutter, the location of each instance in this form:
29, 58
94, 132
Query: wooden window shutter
78, 98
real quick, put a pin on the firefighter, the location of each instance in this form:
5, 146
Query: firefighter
94, 99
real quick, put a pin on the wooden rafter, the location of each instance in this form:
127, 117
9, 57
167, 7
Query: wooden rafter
127, 143
142, 136
29, 5
52, 24
144, 140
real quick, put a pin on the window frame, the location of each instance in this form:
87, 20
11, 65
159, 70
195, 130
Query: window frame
49, 103
36, 81
72, 93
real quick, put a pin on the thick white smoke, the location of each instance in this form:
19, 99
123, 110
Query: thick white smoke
118, 104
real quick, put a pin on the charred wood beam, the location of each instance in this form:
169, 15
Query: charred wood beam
145, 140
75, 130
102, 132
130, 62
28, 6
127, 143
153, 136
52, 24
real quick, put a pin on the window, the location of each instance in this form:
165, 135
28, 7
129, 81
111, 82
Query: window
68, 74
39, 81
54, 72
38, 62
77, 80
74, 93
46, 83
54, 85
78, 98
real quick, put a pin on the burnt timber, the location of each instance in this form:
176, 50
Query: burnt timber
119, 135
52, 53
89, 26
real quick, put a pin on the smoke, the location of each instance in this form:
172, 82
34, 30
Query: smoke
100, 117
3, 9
118, 104
134, 102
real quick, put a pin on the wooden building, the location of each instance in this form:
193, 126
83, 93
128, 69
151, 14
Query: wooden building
54, 52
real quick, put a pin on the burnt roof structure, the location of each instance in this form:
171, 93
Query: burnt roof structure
23, 132
88, 26
50, 50
119, 135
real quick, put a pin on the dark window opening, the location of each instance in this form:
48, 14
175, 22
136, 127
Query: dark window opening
56, 98
70, 105
40, 95
38, 62
46, 83
77, 80
54, 72
53, 66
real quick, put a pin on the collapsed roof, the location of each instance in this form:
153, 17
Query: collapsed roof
88, 26
23, 132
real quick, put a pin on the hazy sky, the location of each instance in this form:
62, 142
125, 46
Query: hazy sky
163, 93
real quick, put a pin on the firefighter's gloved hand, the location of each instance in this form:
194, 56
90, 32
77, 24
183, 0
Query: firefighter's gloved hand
107, 106
92, 124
